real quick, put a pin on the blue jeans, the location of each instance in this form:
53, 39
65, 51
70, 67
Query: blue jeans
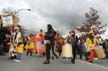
19, 56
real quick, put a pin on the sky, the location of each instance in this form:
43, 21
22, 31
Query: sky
62, 14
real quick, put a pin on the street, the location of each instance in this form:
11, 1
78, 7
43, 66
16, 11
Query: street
35, 63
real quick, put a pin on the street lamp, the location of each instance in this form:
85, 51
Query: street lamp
17, 11
21, 10
16, 14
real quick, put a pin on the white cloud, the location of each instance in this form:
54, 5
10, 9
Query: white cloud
57, 12
15, 4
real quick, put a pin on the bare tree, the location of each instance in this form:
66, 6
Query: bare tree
92, 23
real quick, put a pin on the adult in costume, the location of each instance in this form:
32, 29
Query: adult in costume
49, 38
91, 42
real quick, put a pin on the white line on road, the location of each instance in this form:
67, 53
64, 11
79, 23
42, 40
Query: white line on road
100, 66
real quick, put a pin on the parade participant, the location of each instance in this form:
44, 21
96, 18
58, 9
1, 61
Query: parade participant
91, 43
74, 41
16, 34
49, 38
39, 43
7, 41
83, 48
25, 39
19, 50
60, 43
67, 49
105, 47
12, 51
4, 39
56, 38
30, 46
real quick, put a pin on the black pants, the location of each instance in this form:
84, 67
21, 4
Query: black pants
74, 52
48, 49
2, 49
87, 55
59, 51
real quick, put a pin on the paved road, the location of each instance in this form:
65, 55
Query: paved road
34, 63
102, 62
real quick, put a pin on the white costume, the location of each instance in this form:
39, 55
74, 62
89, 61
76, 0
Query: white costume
16, 35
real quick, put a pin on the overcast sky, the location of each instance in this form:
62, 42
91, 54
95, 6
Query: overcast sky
62, 14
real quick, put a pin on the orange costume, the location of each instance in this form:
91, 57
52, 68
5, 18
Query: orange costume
39, 46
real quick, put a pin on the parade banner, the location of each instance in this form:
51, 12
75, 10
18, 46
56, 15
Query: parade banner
7, 20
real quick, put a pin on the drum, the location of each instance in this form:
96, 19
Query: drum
67, 51
99, 52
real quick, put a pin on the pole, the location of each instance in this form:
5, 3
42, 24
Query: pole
12, 23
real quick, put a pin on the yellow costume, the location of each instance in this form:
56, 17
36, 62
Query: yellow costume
90, 44
19, 48
29, 45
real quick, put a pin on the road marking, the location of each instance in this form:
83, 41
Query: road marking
100, 66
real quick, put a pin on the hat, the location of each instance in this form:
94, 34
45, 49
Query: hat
16, 28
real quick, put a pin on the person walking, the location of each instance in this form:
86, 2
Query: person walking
91, 42
74, 41
19, 50
49, 38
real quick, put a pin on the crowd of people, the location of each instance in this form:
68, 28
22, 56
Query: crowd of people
45, 43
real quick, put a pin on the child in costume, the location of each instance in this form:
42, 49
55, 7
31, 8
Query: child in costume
30, 46
19, 50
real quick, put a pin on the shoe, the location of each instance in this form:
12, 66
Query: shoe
73, 61
46, 62
18, 61
91, 61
